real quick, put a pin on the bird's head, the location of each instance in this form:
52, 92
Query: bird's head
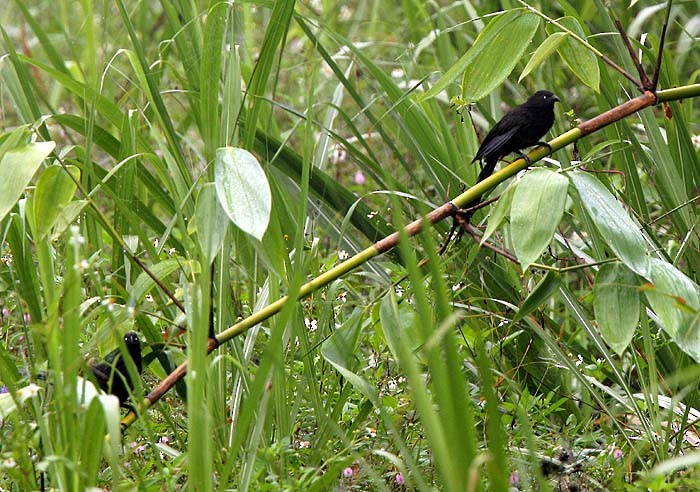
133, 345
542, 99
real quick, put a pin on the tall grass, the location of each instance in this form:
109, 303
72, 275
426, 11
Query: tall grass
465, 373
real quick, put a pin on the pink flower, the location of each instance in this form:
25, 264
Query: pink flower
359, 178
618, 454
514, 479
399, 479
347, 473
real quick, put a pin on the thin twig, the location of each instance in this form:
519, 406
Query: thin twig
637, 62
657, 69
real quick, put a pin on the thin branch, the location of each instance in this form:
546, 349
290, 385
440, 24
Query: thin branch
646, 84
657, 69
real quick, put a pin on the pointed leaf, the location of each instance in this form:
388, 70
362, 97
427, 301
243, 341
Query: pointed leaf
508, 34
621, 233
339, 351
499, 211
483, 66
210, 222
539, 295
581, 60
616, 305
17, 168
538, 206
543, 52
243, 190
54, 190
676, 301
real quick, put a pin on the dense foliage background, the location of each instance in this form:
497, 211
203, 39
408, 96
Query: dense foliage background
562, 358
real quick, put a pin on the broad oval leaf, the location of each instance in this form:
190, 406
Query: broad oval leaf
581, 60
243, 190
538, 206
498, 49
676, 301
55, 188
544, 51
616, 305
620, 232
17, 167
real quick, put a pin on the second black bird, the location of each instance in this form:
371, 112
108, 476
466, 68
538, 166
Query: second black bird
521, 127
112, 374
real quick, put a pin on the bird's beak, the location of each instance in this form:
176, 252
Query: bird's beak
556, 98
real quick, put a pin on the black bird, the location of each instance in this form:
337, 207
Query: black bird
112, 374
521, 127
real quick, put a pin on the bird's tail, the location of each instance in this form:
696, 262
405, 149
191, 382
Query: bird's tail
486, 171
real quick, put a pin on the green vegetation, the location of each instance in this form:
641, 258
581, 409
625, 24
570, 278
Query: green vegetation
172, 167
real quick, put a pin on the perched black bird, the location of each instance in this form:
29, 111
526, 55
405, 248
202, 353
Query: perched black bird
521, 127
112, 374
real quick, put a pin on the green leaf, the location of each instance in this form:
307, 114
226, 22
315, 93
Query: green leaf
499, 212
539, 295
483, 66
616, 305
580, 59
210, 222
620, 232
144, 283
243, 190
397, 324
339, 351
510, 33
54, 190
676, 301
538, 206
17, 167
548, 47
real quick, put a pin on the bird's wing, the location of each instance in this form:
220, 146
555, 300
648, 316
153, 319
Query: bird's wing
495, 141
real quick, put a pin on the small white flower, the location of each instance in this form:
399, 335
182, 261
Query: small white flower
373, 360
696, 141
345, 13
339, 155
311, 324
343, 255
397, 73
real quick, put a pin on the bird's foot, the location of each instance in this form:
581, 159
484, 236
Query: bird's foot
525, 157
544, 144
